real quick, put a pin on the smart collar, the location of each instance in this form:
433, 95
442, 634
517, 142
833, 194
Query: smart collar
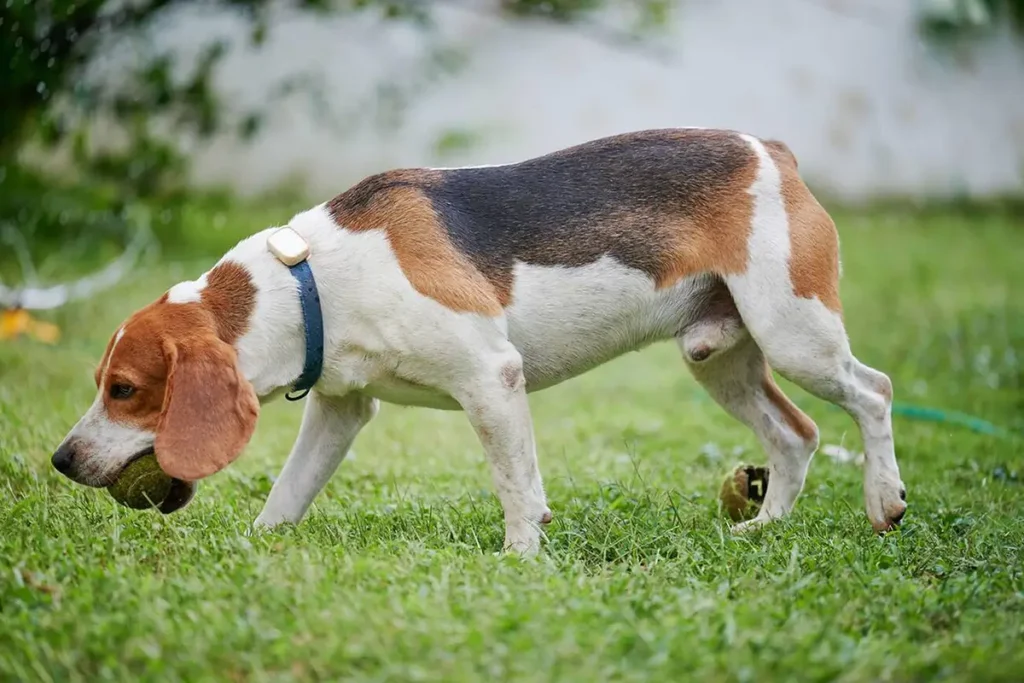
293, 251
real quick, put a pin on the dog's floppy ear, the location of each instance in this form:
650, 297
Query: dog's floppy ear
209, 410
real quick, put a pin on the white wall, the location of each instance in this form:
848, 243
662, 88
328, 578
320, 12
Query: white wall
867, 106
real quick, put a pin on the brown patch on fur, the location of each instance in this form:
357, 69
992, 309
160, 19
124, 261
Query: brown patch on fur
512, 376
883, 385
394, 203
795, 418
885, 389
230, 296
779, 149
715, 237
814, 242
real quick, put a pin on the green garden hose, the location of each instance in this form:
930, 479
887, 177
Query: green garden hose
975, 424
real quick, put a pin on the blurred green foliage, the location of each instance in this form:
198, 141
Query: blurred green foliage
948, 21
46, 47
51, 100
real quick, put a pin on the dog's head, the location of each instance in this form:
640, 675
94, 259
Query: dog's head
169, 384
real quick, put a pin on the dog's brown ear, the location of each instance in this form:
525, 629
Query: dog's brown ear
209, 411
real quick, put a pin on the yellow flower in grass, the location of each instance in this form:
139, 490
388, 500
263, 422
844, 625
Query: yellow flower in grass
15, 322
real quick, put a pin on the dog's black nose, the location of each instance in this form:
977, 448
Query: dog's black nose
63, 458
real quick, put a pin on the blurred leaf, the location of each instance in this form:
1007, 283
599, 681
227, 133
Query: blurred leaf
455, 140
250, 126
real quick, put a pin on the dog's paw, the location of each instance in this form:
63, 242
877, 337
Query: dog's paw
522, 538
521, 547
750, 525
885, 501
265, 524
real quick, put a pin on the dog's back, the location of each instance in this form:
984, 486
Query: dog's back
668, 203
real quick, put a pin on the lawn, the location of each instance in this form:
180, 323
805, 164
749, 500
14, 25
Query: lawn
394, 574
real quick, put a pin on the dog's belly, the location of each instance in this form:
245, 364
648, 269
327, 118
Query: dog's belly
566, 321
404, 393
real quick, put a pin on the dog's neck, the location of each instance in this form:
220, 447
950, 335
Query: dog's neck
272, 350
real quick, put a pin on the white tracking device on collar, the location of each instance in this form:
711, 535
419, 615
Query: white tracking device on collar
288, 246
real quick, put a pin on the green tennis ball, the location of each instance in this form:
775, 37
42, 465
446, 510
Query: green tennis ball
743, 492
142, 484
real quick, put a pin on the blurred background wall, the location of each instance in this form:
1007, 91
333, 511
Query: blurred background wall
870, 108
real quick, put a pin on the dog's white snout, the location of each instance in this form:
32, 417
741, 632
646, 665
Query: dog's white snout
97, 448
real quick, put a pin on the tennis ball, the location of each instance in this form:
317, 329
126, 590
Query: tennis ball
142, 484
743, 492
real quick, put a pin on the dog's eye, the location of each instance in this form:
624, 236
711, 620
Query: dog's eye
121, 391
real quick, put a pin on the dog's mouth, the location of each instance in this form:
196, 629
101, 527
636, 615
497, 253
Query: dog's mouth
181, 491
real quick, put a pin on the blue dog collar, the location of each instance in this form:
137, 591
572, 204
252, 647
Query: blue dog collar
293, 251
313, 321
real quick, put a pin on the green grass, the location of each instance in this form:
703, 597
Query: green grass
393, 576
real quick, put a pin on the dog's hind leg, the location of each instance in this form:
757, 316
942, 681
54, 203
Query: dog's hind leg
725, 360
788, 299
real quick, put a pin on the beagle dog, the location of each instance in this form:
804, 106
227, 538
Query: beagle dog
468, 288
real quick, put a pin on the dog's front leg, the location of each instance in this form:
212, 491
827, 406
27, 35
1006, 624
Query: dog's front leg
495, 402
329, 426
